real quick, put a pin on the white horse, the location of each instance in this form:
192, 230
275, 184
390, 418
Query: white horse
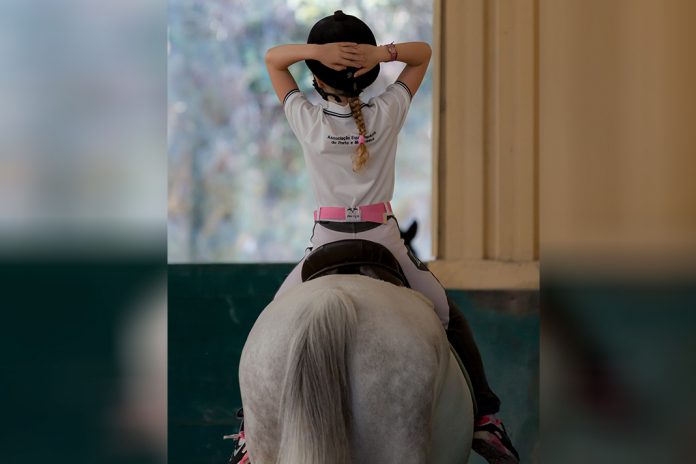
350, 369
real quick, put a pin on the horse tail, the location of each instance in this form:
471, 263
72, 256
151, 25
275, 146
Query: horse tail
315, 408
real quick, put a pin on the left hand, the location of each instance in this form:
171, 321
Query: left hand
339, 55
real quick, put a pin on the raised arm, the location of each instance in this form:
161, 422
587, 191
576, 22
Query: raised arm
416, 55
278, 59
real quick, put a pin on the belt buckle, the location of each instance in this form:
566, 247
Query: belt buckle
353, 214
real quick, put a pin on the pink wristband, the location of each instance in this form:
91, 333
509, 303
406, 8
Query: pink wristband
391, 48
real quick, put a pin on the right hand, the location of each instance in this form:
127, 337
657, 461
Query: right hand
340, 55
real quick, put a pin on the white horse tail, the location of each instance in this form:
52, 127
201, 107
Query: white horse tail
315, 404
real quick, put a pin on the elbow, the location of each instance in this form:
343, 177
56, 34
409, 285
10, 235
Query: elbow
268, 58
424, 53
271, 57
428, 50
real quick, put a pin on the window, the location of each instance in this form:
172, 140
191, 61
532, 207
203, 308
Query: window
238, 187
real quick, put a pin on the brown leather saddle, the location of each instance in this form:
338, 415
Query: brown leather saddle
354, 256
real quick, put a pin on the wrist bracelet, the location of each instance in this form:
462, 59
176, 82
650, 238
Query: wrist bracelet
391, 48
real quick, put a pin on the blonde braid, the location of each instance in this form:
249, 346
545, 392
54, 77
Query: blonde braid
361, 154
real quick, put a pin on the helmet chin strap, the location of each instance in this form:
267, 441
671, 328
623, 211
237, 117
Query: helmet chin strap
324, 94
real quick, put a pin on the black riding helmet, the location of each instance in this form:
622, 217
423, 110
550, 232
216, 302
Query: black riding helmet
341, 27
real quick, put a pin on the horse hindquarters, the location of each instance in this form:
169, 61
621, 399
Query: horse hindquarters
315, 401
399, 377
411, 403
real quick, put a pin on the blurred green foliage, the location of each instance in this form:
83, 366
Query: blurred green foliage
238, 188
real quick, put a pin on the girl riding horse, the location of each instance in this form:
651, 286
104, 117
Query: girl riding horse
350, 149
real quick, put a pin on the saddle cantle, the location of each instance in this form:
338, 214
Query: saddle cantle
354, 256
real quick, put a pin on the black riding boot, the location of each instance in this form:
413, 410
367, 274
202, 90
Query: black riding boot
462, 340
490, 437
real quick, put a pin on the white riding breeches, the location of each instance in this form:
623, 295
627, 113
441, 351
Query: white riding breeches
388, 235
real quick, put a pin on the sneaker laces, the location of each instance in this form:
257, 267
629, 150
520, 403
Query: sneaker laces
235, 436
489, 419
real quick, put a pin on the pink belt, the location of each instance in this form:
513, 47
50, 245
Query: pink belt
379, 212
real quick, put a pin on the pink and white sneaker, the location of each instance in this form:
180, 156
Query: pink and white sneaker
492, 442
240, 455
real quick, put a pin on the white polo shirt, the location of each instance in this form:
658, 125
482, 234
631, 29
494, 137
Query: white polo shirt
329, 136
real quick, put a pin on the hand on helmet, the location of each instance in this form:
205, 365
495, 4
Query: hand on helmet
340, 55
369, 56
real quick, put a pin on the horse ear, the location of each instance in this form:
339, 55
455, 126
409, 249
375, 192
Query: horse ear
410, 232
